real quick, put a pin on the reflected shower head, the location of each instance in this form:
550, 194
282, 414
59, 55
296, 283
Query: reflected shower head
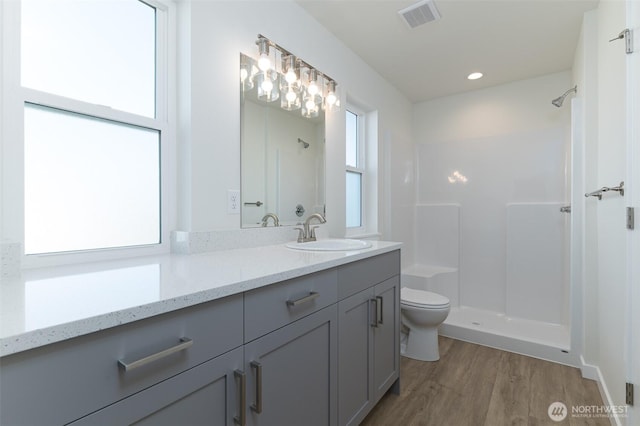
304, 144
559, 100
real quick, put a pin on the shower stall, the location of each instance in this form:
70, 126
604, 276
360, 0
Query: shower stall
493, 217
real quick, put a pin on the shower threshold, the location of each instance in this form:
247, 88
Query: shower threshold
533, 338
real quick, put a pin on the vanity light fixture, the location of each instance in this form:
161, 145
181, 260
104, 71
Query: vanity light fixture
284, 76
331, 101
474, 76
291, 69
290, 84
264, 61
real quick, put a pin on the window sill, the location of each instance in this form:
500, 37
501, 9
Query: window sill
364, 235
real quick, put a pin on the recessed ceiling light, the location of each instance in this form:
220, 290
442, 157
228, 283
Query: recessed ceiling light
474, 75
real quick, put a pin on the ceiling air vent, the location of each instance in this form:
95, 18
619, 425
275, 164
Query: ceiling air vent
419, 13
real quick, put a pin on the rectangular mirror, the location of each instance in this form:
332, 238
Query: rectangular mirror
282, 159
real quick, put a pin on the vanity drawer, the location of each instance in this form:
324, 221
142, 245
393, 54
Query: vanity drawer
357, 276
59, 383
275, 306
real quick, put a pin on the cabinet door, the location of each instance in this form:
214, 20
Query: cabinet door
292, 373
355, 357
386, 354
204, 395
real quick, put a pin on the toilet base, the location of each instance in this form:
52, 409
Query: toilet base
422, 344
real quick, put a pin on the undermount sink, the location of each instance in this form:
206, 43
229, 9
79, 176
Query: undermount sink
331, 244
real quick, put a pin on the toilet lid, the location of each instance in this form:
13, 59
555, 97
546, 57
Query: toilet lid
422, 298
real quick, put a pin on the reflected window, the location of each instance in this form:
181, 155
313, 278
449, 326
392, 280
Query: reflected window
354, 167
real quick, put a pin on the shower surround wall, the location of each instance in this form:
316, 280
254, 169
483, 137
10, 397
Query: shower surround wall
501, 154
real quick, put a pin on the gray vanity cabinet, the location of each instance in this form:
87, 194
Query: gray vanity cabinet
68, 380
386, 337
208, 394
320, 349
292, 373
368, 335
291, 351
355, 358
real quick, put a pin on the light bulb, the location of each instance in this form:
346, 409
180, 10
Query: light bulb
291, 96
331, 98
310, 104
290, 76
313, 88
243, 74
264, 63
267, 85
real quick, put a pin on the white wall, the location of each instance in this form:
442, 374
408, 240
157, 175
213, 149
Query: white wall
209, 123
511, 145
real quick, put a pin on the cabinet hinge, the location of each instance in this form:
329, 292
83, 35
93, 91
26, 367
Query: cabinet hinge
630, 218
629, 393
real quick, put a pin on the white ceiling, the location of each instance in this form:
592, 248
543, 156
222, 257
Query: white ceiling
507, 40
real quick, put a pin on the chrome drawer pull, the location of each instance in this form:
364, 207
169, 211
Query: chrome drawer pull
241, 419
374, 321
312, 295
257, 407
185, 343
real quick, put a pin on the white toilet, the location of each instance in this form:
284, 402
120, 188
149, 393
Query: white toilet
422, 312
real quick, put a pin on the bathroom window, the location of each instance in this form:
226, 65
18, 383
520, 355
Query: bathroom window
93, 129
355, 170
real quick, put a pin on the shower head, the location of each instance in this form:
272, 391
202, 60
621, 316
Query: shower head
304, 144
559, 100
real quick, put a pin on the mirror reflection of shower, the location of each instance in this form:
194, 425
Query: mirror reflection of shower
559, 100
304, 144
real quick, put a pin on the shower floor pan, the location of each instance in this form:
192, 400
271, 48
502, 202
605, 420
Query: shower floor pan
533, 338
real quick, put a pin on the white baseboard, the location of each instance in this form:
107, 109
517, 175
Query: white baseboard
589, 371
593, 372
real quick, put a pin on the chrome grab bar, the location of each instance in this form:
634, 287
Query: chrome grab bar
598, 193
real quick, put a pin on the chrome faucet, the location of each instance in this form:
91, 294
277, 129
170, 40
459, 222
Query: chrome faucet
265, 219
307, 233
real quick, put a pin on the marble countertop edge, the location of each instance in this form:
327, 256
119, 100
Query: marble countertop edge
12, 342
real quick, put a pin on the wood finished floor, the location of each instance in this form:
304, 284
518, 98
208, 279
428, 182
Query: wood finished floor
474, 385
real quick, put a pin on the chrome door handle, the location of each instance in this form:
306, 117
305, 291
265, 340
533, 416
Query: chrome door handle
374, 321
312, 295
241, 418
257, 407
127, 365
379, 311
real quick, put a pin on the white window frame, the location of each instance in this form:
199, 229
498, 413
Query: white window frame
14, 97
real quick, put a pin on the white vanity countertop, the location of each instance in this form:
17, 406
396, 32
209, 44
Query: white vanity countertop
47, 305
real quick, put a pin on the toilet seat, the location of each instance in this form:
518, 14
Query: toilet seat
422, 299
